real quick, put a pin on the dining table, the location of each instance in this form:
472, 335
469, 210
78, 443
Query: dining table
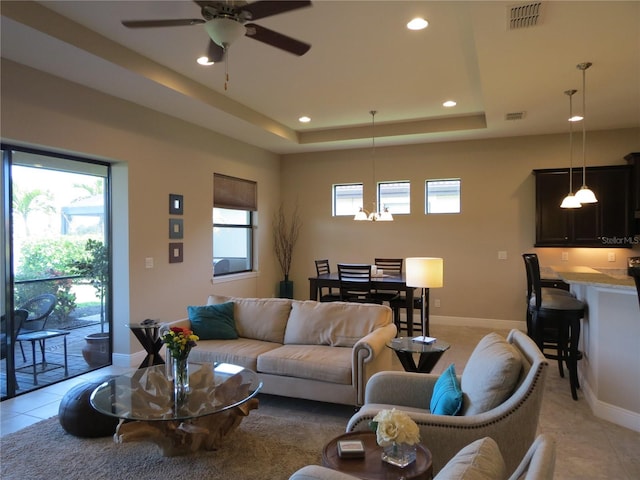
382, 282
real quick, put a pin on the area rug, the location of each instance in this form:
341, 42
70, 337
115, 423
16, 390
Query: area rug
263, 447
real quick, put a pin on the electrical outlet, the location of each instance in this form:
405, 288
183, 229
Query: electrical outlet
611, 256
436, 303
565, 256
502, 255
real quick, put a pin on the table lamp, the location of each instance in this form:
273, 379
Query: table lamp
424, 273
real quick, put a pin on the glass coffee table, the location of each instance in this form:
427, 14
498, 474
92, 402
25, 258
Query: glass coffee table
429, 353
220, 395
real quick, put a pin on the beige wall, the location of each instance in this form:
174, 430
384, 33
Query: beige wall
497, 214
153, 155
156, 155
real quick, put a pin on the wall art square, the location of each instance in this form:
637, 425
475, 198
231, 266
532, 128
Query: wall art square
176, 206
176, 228
175, 252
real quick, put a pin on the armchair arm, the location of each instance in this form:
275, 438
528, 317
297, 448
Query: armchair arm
401, 388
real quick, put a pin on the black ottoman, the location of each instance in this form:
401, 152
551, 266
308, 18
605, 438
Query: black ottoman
79, 418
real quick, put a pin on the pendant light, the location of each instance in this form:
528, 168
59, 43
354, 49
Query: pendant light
570, 200
374, 216
584, 195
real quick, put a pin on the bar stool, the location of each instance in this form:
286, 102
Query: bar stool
555, 324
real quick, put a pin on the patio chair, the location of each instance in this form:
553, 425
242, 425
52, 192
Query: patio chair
19, 316
39, 308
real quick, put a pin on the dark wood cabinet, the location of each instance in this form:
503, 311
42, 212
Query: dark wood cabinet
594, 225
634, 162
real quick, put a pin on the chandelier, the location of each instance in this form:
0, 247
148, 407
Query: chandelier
375, 215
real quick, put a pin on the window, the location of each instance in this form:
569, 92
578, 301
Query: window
395, 196
442, 196
232, 241
234, 201
347, 199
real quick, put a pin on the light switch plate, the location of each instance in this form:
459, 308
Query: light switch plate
565, 256
502, 255
611, 256
148, 262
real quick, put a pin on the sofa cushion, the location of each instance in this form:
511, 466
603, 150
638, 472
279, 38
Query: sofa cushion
243, 351
258, 318
447, 396
490, 375
213, 322
315, 362
336, 324
480, 460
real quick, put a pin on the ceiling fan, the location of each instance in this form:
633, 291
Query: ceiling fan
225, 22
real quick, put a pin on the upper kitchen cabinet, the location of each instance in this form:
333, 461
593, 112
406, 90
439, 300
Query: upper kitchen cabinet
634, 161
607, 223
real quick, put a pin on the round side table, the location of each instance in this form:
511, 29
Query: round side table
371, 466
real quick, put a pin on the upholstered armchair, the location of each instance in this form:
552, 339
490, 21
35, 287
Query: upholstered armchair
479, 460
501, 390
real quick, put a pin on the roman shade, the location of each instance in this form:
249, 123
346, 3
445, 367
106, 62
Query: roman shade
234, 193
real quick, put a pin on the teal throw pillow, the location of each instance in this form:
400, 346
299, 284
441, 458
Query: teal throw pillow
213, 322
447, 395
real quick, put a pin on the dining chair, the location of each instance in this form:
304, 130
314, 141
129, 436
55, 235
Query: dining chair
355, 283
389, 266
554, 323
326, 294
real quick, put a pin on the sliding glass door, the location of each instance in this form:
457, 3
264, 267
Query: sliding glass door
56, 267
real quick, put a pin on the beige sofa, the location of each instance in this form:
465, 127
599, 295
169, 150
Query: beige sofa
305, 349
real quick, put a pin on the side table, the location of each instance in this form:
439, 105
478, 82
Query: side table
149, 337
430, 353
41, 336
371, 466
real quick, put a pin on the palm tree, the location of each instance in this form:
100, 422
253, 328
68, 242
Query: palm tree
26, 202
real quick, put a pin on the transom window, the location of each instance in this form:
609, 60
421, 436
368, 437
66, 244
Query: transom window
442, 196
396, 196
347, 199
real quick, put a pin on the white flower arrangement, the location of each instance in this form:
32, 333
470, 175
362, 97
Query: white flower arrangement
394, 426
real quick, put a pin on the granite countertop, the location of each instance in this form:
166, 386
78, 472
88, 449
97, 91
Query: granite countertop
599, 277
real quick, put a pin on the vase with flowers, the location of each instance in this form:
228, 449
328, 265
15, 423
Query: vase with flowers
398, 436
179, 342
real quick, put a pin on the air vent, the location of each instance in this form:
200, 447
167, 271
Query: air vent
524, 15
514, 116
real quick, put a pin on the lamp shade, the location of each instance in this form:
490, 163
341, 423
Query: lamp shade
424, 272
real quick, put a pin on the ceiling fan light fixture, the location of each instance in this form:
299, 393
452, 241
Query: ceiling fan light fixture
224, 31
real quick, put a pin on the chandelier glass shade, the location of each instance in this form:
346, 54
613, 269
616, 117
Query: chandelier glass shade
375, 215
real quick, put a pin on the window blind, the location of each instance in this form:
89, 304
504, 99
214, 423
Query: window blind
234, 193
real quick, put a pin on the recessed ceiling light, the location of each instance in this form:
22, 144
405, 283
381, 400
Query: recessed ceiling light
204, 61
575, 118
449, 103
417, 24
304, 119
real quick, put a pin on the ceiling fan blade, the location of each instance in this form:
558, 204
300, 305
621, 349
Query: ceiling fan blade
162, 23
267, 8
215, 53
276, 39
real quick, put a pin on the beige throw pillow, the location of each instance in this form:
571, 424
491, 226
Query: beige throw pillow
490, 375
480, 460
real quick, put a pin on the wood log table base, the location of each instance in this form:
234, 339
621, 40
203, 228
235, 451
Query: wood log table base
176, 437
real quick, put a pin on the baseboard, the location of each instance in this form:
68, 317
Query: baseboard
477, 322
611, 413
125, 361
